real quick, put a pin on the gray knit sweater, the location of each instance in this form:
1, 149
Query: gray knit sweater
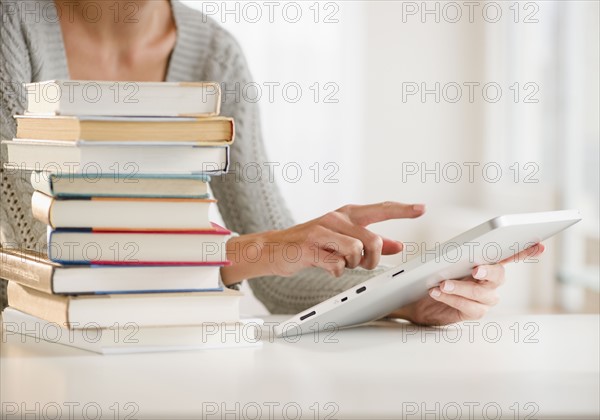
33, 50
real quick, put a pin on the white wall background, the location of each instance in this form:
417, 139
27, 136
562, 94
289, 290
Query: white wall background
317, 128
370, 52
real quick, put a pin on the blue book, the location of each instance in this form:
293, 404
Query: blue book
124, 185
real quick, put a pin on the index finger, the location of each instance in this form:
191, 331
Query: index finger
532, 251
365, 215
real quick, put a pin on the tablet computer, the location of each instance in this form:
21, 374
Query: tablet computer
488, 243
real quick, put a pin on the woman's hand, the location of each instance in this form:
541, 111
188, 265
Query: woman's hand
337, 240
461, 300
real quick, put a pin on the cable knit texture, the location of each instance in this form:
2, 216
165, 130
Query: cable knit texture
33, 50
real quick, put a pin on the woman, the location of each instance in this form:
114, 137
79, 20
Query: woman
162, 40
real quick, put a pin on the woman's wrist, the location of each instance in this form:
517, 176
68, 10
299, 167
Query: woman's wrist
249, 257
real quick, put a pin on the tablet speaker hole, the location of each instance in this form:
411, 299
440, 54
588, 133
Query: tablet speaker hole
362, 289
344, 299
308, 315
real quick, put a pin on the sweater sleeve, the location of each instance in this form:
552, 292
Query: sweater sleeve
256, 204
15, 191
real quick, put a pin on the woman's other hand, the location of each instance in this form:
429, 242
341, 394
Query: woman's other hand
466, 299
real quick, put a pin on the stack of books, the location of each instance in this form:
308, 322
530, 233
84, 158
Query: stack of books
120, 172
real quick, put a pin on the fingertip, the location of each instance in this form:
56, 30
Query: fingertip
391, 247
419, 209
536, 250
447, 286
435, 293
397, 247
480, 272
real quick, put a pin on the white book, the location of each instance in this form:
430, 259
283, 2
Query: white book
83, 246
124, 213
121, 160
106, 279
110, 98
20, 327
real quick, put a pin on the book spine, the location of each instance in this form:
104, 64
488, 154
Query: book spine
27, 271
227, 160
51, 308
218, 100
232, 130
41, 207
42, 181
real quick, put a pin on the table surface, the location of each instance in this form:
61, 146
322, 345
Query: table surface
517, 367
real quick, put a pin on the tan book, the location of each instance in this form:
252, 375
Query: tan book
198, 131
27, 267
35, 270
142, 309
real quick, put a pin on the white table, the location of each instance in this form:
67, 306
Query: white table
386, 370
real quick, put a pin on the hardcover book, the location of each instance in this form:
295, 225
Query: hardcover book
141, 309
125, 160
35, 270
122, 213
94, 97
197, 131
120, 185
85, 246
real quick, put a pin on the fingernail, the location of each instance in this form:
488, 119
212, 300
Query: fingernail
419, 207
435, 292
480, 273
448, 286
